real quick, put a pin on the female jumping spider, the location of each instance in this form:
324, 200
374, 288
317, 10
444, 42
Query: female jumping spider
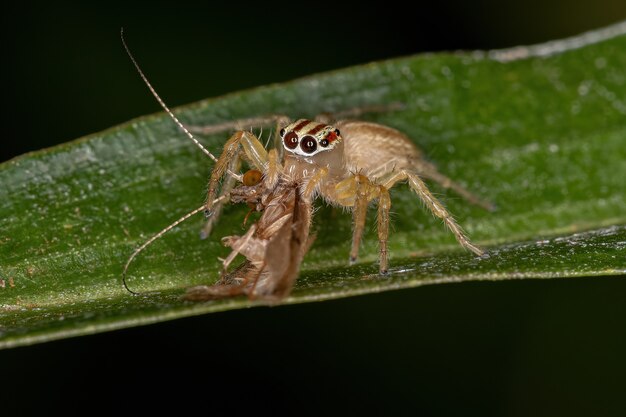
348, 163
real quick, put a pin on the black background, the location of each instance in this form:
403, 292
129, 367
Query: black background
518, 348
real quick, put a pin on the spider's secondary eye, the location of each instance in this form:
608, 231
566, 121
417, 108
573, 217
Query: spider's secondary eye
291, 140
337, 132
324, 142
308, 144
282, 132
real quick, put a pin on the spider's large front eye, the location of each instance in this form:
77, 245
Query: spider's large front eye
291, 140
308, 144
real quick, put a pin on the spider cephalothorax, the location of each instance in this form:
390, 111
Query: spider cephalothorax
307, 138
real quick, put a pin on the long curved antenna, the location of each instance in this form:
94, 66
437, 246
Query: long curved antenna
167, 109
158, 235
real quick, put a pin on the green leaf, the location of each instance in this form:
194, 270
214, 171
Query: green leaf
540, 131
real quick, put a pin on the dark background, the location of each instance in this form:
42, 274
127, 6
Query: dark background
542, 348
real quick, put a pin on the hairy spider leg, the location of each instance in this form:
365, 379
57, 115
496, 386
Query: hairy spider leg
241, 124
355, 112
435, 206
429, 171
362, 188
358, 191
384, 207
228, 184
254, 153
283, 120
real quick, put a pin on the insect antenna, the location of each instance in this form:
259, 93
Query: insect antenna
155, 237
167, 109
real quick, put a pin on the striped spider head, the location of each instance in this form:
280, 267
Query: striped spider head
306, 138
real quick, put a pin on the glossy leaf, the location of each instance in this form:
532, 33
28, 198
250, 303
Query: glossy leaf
538, 130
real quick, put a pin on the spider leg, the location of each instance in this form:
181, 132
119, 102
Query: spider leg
428, 170
278, 120
227, 186
241, 124
278, 140
359, 214
274, 169
356, 112
254, 153
384, 206
356, 192
314, 183
434, 205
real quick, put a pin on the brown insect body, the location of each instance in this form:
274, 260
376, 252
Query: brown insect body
273, 246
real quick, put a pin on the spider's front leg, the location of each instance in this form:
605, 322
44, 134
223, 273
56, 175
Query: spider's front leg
227, 186
254, 153
276, 120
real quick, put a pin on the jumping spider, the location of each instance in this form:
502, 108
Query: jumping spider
348, 163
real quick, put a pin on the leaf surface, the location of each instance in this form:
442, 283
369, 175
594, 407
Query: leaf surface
540, 131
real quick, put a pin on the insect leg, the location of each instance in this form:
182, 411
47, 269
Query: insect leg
430, 171
434, 205
231, 285
237, 244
